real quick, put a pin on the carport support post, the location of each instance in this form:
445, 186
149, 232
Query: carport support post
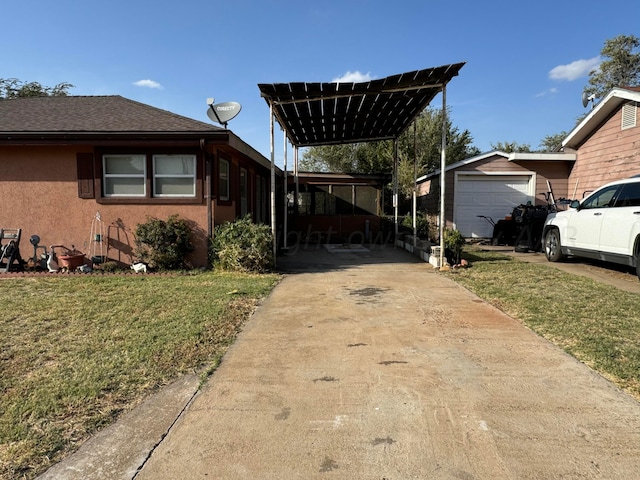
443, 164
273, 186
295, 175
286, 189
415, 187
395, 187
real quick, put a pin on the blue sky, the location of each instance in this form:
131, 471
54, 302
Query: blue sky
526, 62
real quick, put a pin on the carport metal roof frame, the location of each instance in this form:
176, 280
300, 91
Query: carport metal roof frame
313, 114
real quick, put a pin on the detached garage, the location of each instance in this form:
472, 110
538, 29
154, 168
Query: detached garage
491, 185
492, 196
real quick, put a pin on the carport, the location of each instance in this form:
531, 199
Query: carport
315, 114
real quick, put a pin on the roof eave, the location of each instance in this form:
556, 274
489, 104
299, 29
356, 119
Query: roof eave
71, 137
598, 115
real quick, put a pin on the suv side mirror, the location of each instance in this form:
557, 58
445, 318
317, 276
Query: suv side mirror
575, 204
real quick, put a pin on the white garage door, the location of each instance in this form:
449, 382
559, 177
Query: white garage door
492, 196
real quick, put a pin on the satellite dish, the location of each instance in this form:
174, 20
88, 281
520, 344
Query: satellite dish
587, 98
223, 112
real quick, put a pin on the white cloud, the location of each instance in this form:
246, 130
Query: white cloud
574, 70
148, 84
551, 91
353, 77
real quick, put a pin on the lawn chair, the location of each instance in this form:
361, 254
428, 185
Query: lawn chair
10, 250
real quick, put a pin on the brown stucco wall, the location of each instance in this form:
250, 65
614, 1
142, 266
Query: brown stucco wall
39, 194
609, 154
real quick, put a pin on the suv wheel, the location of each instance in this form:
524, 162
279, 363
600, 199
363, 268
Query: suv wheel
552, 246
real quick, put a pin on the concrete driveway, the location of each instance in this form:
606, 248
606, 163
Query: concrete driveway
371, 365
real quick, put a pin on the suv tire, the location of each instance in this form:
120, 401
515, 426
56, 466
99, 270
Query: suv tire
552, 245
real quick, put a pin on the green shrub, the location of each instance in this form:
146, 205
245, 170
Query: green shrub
164, 244
422, 225
242, 246
453, 243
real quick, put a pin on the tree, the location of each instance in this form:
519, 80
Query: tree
377, 157
348, 158
14, 88
552, 143
511, 147
620, 66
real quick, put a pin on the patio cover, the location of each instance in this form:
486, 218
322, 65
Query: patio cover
315, 114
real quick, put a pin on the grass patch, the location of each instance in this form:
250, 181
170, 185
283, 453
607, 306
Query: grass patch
77, 351
596, 323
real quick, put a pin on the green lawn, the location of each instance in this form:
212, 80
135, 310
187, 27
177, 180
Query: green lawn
78, 350
596, 323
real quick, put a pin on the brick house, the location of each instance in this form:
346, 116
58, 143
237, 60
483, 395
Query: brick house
64, 159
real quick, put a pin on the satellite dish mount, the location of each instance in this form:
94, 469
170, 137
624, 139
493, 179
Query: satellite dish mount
222, 112
588, 98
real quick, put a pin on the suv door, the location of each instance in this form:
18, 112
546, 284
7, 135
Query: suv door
584, 226
618, 223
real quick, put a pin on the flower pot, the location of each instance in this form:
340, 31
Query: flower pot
71, 261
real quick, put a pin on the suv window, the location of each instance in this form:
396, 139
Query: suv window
629, 195
601, 199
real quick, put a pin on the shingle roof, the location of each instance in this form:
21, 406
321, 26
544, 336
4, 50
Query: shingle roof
94, 114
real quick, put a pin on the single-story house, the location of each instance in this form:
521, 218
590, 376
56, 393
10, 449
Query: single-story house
603, 147
68, 161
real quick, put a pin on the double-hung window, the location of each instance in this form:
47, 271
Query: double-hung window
124, 175
174, 176
165, 177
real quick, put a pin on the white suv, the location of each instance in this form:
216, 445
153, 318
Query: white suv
604, 226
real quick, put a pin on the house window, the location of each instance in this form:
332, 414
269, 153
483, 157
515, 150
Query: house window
174, 176
124, 175
223, 179
149, 178
261, 199
629, 114
244, 192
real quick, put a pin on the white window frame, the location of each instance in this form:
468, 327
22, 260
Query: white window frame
191, 176
142, 175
